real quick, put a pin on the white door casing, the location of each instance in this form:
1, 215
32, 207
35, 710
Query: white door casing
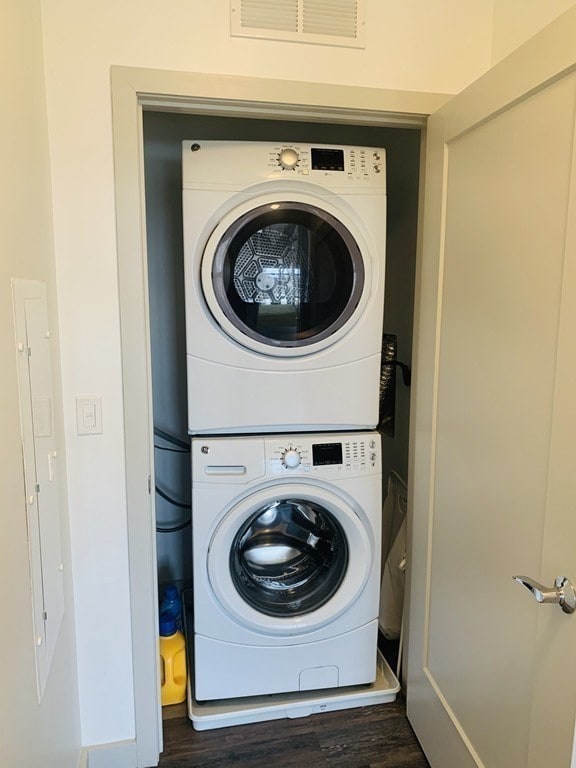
492, 675
135, 89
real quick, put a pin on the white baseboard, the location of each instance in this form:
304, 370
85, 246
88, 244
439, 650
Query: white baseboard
118, 754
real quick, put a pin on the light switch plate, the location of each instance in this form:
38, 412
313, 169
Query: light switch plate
88, 415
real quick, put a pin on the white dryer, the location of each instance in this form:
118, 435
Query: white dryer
284, 251
286, 547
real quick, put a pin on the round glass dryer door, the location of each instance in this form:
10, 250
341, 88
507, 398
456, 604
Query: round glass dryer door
289, 557
287, 275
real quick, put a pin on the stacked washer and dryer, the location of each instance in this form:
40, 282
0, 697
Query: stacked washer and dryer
284, 251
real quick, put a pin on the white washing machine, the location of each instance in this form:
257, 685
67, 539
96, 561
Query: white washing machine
286, 548
284, 250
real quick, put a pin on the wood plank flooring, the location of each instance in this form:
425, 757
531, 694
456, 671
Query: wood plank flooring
367, 737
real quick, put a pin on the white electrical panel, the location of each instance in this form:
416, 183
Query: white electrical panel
41, 478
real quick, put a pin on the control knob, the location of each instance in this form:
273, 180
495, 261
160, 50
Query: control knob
291, 458
288, 158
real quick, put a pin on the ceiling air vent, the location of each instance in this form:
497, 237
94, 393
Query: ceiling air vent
325, 22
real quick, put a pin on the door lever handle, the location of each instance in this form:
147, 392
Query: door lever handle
562, 592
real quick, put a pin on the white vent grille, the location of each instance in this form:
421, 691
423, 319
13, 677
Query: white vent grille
327, 22
281, 15
330, 17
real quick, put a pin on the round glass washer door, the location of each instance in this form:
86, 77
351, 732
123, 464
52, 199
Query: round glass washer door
285, 559
289, 557
285, 277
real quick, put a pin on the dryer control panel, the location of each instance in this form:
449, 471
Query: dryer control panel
352, 163
237, 165
324, 455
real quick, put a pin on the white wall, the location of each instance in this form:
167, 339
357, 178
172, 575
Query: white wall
34, 735
414, 45
515, 21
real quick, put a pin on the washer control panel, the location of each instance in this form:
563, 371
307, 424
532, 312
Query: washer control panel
324, 455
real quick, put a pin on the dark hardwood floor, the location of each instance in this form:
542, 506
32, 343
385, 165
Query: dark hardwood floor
366, 737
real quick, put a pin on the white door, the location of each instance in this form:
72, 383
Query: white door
491, 673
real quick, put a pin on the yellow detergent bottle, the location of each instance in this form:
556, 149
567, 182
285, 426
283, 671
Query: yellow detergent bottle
172, 661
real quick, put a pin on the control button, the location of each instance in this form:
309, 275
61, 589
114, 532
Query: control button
291, 458
288, 158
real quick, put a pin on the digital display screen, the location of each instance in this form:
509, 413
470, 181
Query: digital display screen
326, 453
327, 159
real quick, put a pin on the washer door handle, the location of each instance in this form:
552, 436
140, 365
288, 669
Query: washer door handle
561, 593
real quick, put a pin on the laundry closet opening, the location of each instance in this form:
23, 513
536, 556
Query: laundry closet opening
163, 136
